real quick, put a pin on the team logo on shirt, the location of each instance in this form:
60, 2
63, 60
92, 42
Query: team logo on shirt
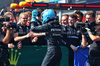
72, 37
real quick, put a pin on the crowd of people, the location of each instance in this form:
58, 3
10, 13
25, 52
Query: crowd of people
42, 32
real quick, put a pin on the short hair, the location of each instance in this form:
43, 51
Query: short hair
65, 15
98, 13
79, 12
29, 13
7, 14
22, 14
73, 16
91, 13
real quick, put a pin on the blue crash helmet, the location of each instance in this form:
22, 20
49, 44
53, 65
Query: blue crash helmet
47, 15
34, 15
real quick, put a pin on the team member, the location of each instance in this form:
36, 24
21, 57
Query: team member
79, 16
22, 30
73, 38
64, 20
53, 55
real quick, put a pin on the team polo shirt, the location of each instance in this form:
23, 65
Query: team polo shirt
23, 30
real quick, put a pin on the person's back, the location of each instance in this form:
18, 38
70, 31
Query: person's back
53, 55
52, 43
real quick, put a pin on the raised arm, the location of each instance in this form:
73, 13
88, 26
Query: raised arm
38, 34
84, 43
9, 35
41, 28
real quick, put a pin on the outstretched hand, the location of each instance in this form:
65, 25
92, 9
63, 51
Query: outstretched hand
30, 34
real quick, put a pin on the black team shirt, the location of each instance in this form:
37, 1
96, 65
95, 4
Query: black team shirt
23, 30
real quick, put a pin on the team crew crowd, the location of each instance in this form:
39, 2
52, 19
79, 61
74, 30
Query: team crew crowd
42, 27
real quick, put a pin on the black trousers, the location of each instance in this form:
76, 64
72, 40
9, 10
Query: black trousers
52, 57
94, 61
4, 57
71, 57
4, 62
